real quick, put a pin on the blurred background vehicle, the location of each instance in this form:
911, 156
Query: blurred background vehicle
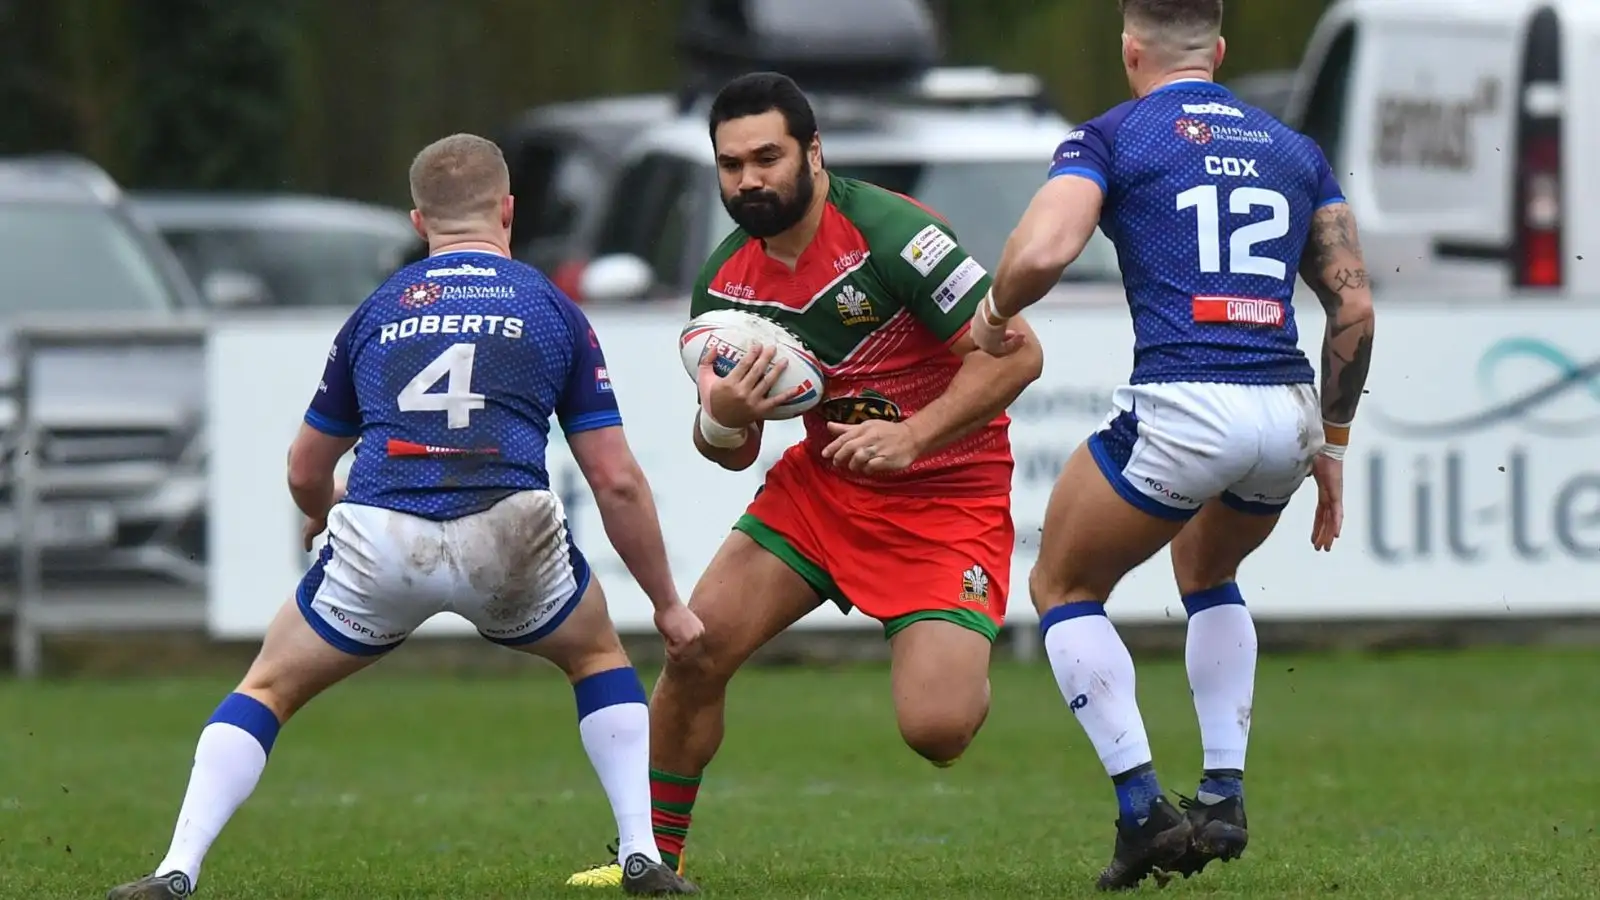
1460, 131
124, 485
562, 157
970, 142
279, 249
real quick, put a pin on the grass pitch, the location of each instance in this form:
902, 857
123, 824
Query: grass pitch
1468, 775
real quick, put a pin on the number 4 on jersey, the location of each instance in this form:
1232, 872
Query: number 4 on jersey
456, 401
1241, 201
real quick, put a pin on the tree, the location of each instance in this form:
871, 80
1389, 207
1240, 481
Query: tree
211, 103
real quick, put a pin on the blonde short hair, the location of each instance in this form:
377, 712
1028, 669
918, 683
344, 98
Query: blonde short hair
458, 180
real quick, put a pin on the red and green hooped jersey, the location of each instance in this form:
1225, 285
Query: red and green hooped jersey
880, 295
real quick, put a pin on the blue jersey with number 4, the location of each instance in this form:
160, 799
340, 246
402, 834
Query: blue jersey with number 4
1209, 203
449, 374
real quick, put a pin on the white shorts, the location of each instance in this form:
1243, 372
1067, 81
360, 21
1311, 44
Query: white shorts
511, 570
1170, 448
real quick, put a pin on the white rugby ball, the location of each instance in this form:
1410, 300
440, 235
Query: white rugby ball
729, 334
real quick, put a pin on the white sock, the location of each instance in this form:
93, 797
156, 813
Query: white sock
1095, 673
228, 762
1220, 653
617, 739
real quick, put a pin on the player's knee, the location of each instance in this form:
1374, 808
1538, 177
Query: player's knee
707, 671
944, 736
1050, 589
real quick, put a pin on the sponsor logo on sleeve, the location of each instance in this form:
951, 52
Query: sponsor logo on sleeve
927, 249
958, 285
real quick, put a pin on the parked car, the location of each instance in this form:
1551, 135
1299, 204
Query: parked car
119, 444
562, 157
280, 249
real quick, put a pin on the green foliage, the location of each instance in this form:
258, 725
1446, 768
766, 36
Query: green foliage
211, 103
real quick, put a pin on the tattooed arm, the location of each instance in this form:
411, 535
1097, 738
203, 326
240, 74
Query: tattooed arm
1332, 266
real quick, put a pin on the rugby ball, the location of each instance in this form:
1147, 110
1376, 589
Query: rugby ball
728, 334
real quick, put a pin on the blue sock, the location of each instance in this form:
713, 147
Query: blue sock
608, 688
1137, 789
1219, 784
250, 716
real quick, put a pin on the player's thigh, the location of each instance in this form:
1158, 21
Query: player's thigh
751, 592
1209, 549
585, 642
940, 680
1091, 536
298, 661
1129, 489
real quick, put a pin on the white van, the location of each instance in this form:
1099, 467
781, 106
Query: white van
1461, 131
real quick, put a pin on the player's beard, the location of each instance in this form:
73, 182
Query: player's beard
768, 213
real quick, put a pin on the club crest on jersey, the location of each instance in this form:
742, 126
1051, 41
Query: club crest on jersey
854, 307
1193, 130
867, 407
975, 586
424, 294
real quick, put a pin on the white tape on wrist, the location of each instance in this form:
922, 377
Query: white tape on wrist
1334, 451
991, 316
719, 435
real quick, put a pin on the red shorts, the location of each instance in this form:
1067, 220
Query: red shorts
898, 558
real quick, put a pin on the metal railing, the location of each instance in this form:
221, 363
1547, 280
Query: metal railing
74, 511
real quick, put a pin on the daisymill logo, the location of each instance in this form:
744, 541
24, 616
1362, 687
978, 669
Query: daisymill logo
418, 295
1193, 130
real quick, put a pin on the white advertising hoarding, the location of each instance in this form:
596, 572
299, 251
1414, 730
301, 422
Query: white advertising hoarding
1472, 486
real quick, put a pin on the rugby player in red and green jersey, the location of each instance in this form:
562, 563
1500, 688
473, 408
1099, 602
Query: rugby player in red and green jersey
897, 502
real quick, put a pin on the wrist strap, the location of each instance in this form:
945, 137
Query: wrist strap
719, 435
1336, 439
990, 314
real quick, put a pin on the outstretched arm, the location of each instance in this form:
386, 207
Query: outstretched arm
1054, 230
1332, 266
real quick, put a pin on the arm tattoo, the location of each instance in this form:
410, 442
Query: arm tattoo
1332, 266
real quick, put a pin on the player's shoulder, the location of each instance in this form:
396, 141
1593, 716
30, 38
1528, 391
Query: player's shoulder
886, 219
735, 241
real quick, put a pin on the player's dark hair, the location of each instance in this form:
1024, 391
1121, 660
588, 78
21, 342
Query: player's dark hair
1195, 14
763, 92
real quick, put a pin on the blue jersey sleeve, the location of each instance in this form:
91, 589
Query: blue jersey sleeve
587, 402
1328, 190
1085, 153
334, 409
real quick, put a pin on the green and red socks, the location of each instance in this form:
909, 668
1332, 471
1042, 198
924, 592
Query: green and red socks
671, 805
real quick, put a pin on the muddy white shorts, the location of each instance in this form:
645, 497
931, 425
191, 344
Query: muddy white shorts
1169, 448
511, 570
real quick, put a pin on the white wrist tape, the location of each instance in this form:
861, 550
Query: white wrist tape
990, 314
719, 435
1336, 439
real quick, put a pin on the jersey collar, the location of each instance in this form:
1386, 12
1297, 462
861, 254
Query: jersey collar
1194, 85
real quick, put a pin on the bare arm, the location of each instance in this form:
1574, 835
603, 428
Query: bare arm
982, 389
734, 459
627, 509
1057, 225
1333, 267
312, 459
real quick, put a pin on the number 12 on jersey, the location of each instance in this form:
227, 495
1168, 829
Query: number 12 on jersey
1241, 201
456, 401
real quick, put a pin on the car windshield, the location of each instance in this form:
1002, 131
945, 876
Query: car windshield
304, 267
982, 201
73, 258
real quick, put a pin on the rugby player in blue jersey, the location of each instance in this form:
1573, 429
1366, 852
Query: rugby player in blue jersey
448, 376
1214, 206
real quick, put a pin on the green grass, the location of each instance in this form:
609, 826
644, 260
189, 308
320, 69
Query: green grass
1441, 776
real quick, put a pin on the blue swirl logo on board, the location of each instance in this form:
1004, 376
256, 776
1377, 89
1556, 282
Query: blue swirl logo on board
1529, 405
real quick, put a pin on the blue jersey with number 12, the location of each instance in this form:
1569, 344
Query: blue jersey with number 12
1209, 202
449, 374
